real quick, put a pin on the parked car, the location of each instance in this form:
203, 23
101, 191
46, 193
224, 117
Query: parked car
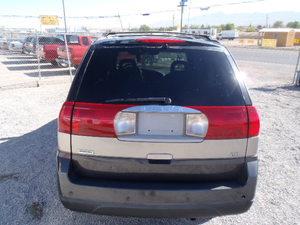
36, 45
27, 45
15, 45
3, 43
50, 50
77, 49
174, 137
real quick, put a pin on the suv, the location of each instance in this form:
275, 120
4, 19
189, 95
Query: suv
158, 125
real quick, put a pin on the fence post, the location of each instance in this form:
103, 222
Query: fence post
296, 79
66, 41
37, 47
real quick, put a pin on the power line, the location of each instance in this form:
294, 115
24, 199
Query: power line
140, 14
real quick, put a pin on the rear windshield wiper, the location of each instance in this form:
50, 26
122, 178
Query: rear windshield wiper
161, 100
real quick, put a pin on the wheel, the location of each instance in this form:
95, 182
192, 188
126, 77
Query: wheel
54, 63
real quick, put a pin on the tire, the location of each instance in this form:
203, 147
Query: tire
54, 63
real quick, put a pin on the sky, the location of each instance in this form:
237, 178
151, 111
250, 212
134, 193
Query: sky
129, 7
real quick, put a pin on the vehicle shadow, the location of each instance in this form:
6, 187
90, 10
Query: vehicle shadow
21, 57
48, 73
22, 61
28, 185
35, 67
276, 88
6, 52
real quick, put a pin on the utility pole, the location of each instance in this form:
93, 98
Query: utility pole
182, 5
173, 20
66, 41
267, 21
120, 20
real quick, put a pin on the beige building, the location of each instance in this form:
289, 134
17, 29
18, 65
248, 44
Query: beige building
297, 37
282, 37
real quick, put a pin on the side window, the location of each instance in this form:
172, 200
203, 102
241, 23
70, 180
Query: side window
85, 41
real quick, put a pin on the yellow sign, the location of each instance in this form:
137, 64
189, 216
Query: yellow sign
49, 20
297, 41
269, 43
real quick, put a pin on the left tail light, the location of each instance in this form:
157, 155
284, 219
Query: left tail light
65, 118
98, 120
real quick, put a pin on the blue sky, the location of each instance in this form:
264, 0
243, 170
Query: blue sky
112, 7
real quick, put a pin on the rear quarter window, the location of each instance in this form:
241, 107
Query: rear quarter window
187, 76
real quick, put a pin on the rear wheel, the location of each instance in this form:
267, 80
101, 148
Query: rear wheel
54, 63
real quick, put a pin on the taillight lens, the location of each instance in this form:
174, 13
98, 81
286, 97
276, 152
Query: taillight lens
225, 122
108, 120
65, 117
90, 119
254, 121
230, 122
125, 123
196, 125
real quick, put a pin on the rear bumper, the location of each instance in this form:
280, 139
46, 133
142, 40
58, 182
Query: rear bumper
155, 199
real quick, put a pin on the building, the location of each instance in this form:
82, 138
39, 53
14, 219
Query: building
297, 37
281, 37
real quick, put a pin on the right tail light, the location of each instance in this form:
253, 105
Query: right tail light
254, 121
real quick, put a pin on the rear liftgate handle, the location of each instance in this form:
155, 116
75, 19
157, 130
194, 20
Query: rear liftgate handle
159, 158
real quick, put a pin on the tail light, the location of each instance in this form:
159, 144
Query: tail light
254, 121
97, 119
107, 120
65, 117
230, 122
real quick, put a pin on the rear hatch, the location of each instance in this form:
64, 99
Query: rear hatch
159, 111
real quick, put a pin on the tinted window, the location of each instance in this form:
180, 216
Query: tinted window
71, 39
188, 77
85, 41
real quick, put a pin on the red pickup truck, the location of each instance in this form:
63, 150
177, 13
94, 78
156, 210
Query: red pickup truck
77, 50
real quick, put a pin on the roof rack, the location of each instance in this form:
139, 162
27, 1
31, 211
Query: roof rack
165, 34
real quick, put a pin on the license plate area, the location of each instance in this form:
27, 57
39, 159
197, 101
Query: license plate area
160, 124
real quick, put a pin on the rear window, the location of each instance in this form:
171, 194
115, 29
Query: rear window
49, 40
85, 41
187, 76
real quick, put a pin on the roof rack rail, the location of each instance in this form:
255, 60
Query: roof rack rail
160, 33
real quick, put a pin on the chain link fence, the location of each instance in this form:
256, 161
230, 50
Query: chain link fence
33, 56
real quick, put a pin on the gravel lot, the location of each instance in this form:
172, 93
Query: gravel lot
28, 192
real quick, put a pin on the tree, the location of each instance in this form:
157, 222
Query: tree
278, 24
144, 28
295, 24
228, 26
251, 28
193, 26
